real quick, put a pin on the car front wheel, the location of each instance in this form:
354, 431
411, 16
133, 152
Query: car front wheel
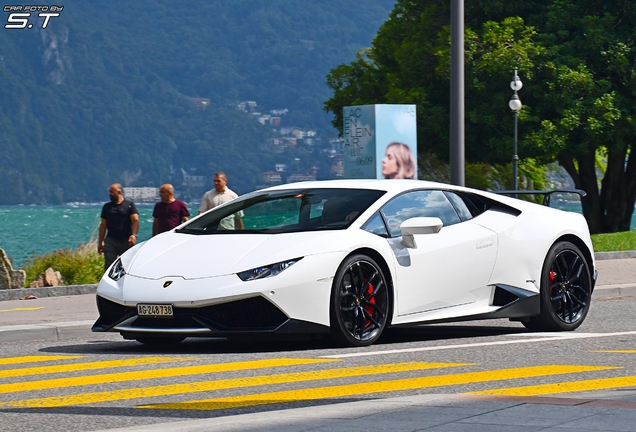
359, 302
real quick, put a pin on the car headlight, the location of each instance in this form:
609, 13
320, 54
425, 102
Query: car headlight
117, 270
267, 271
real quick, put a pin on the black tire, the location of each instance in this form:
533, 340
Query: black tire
532, 324
160, 341
360, 301
566, 290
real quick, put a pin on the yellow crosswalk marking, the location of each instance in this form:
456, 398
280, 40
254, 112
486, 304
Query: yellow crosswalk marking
73, 367
34, 359
155, 373
617, 351
564, 387
22, 309
165, 390
375, 387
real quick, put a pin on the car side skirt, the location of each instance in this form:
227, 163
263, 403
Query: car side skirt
515, 303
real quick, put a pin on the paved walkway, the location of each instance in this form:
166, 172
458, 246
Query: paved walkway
439, 413
70, 316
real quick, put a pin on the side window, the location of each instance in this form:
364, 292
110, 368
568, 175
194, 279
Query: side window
476, 204
316, 209
459, 204
376, 226
423, 203
268, 214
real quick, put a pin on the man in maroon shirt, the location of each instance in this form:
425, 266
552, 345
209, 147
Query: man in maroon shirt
169, 212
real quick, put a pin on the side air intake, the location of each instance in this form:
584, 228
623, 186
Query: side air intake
503, 297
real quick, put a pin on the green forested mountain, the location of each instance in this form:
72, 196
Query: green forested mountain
102, 94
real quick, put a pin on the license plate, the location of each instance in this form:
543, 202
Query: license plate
155, 310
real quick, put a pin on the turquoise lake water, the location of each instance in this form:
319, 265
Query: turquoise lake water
27, 231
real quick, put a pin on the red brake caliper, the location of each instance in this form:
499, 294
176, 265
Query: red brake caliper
369, 309
552, 278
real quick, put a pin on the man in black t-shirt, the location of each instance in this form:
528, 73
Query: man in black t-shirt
121, 219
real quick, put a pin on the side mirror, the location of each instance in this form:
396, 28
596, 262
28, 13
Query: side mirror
419, 225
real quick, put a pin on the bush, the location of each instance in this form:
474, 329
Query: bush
77, 267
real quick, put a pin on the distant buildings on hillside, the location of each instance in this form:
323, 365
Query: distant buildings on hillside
284, 137
141, 194
201, 103
190, 180
325, 159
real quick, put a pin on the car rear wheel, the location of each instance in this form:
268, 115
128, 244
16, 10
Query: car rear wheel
566, 290
359, 302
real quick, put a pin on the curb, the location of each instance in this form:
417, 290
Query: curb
617, 290
58, 291
614, 255
45, 332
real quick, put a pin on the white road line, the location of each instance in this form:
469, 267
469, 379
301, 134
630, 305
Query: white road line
552, 334
561, 336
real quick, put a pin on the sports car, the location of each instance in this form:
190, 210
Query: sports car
349, 258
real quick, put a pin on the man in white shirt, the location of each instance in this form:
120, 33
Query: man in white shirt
220, 195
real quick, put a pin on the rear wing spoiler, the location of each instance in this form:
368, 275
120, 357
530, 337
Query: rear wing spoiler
546, 193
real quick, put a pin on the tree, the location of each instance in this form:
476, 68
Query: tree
588, 102
579, 93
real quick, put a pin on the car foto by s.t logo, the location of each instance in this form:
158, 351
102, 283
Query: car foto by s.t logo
20, 16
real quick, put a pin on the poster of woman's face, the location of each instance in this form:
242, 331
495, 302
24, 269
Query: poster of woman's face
398, 162
380, 141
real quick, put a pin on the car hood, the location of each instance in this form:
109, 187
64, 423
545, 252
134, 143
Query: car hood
199, 256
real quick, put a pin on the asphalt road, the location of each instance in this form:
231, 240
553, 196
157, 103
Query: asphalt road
99, 381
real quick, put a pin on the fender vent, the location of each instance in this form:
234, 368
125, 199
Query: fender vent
503, 297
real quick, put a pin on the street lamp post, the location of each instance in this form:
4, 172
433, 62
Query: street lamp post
515, 105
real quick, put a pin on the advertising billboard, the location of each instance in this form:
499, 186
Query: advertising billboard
380, 141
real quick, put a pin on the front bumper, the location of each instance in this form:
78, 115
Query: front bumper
254, 315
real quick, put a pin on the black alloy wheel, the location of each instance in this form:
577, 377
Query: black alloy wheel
566, 290
359, 302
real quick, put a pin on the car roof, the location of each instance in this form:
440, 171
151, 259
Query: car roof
389, 185
395, 186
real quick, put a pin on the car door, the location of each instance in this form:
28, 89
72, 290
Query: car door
449, 268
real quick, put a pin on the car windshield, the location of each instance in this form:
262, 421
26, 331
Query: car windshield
286, 211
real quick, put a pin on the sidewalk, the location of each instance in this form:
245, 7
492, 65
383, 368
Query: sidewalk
435, 412
71, 311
